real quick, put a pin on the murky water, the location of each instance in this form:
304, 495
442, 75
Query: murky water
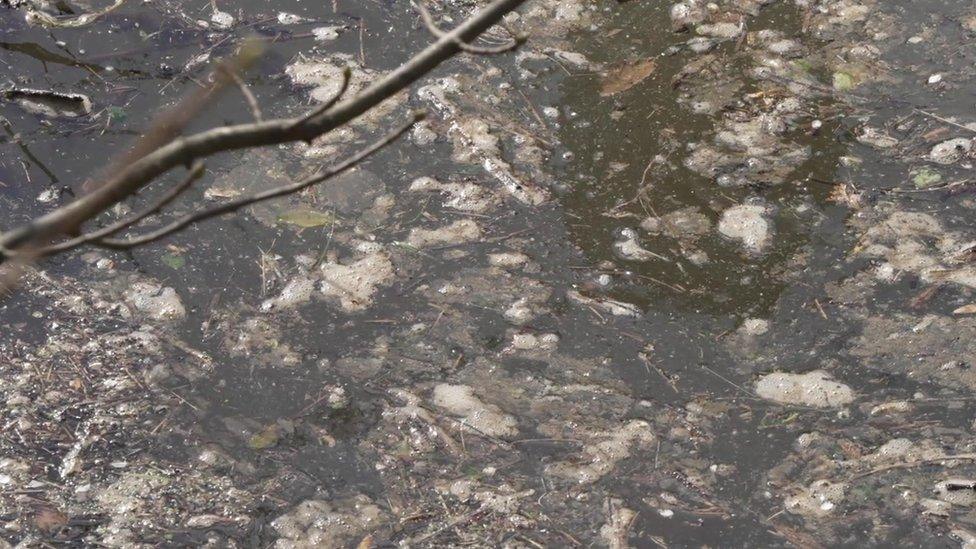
615, 161
617, 141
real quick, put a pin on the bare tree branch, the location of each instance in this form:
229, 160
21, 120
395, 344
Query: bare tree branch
196, 171
168, 125
343, 86
252, 102
269, 194
143, 168
432, 27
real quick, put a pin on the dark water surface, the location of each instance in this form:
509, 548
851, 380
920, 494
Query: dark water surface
133, 62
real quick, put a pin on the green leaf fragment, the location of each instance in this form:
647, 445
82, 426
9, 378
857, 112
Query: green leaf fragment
116, 114
926, 177
843, 81
173, 261
803, 65
306, 218
264, 439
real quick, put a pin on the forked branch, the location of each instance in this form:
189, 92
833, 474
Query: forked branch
166, 150
321, 109
428, 19
282, 190
196, 171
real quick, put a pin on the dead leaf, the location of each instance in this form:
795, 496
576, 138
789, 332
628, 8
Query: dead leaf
366, 543
48, 519
216, 192
844, 195
926, 295
623, 77
694, 68
936, 134
966, 310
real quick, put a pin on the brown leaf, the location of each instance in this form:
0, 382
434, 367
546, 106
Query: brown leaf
694, 68
306, 218
626, 76
49, 520
936, 134
926, 295
846, 196
966, 310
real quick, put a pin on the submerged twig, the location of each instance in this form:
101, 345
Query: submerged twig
38, 17
252, 102
453, 523
918, 463
945, 120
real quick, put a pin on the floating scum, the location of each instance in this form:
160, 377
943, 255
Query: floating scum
440, 362
158, 152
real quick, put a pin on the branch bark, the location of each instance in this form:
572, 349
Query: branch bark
269, 194
187, 150
428, 19
196, 171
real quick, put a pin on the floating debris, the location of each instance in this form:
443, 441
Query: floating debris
957, 491
749, 224
222, 19
477, 416
819, 500
622, 78
458, 232
355, 284
286, 18
629, 248
318, 523
155, 301
951, 151
306, 218
604, 451
49, 103
814, 388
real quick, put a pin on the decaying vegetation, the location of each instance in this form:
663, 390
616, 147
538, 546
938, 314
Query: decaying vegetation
681, 274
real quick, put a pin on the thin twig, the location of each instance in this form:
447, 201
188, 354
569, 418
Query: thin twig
943, 187
275, 192
252, 102
821, 309
945, 120
36, 16
535, 112
362, 45
727, 380
131, 176
918, 463
346, 77
453, 523
15, 137
166, 127
477, 50
649, 363
196, 171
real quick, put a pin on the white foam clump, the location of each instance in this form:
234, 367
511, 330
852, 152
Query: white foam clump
814, 388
